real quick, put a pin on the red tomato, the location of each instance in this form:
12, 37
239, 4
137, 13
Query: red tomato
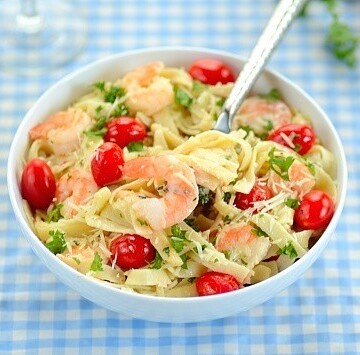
212, 283
303, 137
211, 71
131, 251
257, 193
315, 210
124, 130
106, 166
38, 184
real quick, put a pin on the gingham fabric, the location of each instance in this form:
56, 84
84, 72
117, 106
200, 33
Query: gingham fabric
319, 314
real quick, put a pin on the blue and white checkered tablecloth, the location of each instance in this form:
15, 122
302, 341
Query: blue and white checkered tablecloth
319, 314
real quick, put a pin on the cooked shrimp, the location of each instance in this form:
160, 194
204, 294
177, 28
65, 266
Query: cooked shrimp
148, 92
242, 244
180, 192
301, 181
74, 188
62, 130
262, 115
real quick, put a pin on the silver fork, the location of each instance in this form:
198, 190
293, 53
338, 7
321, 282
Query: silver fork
279, 22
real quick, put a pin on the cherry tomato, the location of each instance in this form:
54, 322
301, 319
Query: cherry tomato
131, 251
106, 166
212, 283
315, 210
303, 137
38, 184
124, 130
257, 193
211, 71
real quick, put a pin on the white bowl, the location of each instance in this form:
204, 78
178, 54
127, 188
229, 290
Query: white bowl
153, 308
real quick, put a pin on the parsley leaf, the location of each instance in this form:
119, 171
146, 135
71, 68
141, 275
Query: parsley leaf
272, 95
246, 128
55, 214
268, 126
227, 219
220, 102
204, 195
280, 165
184, 259
58, 243
311, 167
292, 203
182, 98
178, 238
259, 232
114, 93
96, 264
288, 250
100, 85
227, 197
135, 146
166, 250
190, 221
98, 129
157, 263
342, 42
121, 110
197, 85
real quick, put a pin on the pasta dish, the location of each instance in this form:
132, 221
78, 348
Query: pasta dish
131, 186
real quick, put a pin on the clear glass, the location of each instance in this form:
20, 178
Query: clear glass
37, 36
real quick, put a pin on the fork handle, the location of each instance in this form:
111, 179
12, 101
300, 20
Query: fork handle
279, 22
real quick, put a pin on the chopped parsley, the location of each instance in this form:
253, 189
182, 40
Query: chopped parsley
120, 110
98, 110
100, 85
178, 238
197, 85
182, 98
227, 219
288, 250
135, 146
111, 94
114, 93
166, 250
311, 167
220, 102
55, 214
272, 95
246, 128
280, 165
190, 221
227, 254
142, 222
76, 260
259, 232
96, 264
157, 263
227, 197
292, 203
195, 249
267, 127
184, 259
58, 243
204, 195
233, 183
98, 129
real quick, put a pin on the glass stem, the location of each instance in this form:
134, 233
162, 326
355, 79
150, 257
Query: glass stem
29, 21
